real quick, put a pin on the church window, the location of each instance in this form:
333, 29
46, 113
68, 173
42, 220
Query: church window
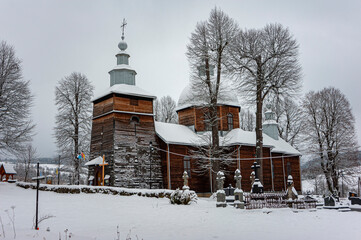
230, 121
134, 102
289, 169
135, 120
187, 165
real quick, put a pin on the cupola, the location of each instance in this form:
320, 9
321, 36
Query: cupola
122, 73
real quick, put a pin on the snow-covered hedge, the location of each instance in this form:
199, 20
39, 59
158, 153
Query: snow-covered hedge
74, 189
185, 197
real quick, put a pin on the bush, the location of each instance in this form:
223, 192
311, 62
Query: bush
184, 197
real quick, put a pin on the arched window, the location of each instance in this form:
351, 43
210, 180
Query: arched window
134, 119
230, 121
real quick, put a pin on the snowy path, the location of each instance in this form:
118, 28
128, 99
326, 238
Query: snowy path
96, 216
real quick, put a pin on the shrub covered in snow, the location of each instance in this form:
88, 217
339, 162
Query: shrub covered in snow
184, 197
75, 189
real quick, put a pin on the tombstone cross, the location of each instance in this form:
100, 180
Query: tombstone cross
255, 167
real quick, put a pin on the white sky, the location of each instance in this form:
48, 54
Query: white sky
55, 38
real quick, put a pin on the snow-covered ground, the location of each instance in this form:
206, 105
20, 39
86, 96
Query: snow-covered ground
96, 216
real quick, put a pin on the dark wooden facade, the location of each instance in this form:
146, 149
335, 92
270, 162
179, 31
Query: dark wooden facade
123, 127
195, 116
274, 179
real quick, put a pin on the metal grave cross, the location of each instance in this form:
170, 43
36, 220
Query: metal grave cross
124, 23
255, 167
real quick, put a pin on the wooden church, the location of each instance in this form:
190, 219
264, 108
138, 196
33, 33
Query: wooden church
143, 153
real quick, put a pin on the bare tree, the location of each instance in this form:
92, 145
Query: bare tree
289, 116
206, 54
165, 110
73, 120
156, 110
330, 127
247, 120
27, 157
265, 62
15, 102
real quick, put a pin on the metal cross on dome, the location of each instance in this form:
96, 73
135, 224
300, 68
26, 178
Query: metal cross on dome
123, 27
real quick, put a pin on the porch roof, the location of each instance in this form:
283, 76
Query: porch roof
95, 161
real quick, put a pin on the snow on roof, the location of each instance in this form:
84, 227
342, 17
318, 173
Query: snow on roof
122, 53
189, 98
122, 66
182, 135
9, 169
95, 161
240, 137
281, 146
176, 134
125, 89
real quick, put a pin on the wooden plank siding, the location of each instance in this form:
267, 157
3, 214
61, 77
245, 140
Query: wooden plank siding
124, 143
201, 183
195, 116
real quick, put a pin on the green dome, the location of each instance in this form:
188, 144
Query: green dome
122, 45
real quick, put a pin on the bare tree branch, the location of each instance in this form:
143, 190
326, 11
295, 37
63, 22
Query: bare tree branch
15, 103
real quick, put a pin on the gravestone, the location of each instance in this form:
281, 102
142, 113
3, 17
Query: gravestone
257, 186
229, 190
238, 193
185, 179
221, 195
330, 201
291, 192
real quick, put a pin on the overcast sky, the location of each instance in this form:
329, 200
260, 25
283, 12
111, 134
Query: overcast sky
56, 38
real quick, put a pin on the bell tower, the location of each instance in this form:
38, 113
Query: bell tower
123, 129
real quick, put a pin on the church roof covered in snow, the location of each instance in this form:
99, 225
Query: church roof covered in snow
177, 134
125, 89
190, 98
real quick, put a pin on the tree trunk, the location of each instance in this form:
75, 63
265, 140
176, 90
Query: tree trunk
76, 152
259, 137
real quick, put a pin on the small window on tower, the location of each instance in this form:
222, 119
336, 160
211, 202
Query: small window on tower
134, 102
187, 165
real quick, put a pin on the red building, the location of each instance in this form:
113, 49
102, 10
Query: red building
6, 172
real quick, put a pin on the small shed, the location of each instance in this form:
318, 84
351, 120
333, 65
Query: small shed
6, 170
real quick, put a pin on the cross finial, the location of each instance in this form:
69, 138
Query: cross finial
124, 23
255, 166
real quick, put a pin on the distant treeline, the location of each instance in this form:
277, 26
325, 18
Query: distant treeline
44, 160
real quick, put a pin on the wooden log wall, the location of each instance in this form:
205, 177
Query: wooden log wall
201, 183
195, 116
124, 143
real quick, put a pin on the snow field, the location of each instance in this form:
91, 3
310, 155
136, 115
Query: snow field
96, 216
